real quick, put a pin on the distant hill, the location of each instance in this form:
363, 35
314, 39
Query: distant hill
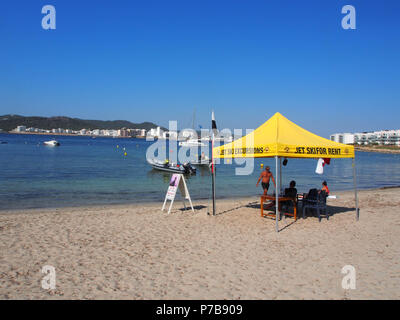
10, 122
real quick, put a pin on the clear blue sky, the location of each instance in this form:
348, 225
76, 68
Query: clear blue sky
158, 60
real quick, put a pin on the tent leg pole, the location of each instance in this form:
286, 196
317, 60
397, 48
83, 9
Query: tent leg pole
277, 195
280, 173
355, 188
280, 183
213, 176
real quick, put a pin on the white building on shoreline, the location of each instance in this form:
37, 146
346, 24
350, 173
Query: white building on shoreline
21, 129
155, 133
383, 137
123, 132
346, 138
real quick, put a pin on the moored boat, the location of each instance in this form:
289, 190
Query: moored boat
192, 143
171, 167
202, 160
51, 143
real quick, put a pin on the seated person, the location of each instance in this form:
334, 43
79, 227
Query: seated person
325, 188
291, 191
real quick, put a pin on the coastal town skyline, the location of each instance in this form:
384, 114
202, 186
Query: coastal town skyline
381, 137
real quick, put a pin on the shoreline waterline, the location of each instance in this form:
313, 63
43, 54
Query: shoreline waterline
178, 203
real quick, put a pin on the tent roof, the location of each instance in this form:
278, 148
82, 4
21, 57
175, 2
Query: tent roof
281, 137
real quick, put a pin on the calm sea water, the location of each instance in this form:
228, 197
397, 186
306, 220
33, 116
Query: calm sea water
86, 171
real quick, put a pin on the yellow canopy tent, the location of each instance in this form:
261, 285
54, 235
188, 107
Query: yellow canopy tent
280, 137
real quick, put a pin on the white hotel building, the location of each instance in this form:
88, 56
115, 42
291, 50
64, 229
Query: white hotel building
346, 138
21, 129
383, 137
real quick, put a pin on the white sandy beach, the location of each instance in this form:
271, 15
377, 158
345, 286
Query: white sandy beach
137, 252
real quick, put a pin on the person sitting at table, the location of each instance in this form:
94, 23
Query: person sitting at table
291, 191
325, 188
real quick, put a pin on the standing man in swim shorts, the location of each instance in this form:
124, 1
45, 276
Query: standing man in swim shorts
266, 176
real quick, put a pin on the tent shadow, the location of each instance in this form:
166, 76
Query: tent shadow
288, 223
255, 205
332, 210
198, 207
232, 209
310, 213
336, 210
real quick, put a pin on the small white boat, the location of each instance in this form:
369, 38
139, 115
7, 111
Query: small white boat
192, 143
202, 160
227, 139
51, 143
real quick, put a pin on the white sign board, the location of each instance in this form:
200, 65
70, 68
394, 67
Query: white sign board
173, 186
177, 181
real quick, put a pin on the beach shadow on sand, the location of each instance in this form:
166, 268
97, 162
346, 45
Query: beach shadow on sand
289, 220
232, 209
332, 210
198, 207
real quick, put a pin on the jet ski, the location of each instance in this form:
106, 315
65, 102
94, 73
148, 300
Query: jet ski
171, 167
